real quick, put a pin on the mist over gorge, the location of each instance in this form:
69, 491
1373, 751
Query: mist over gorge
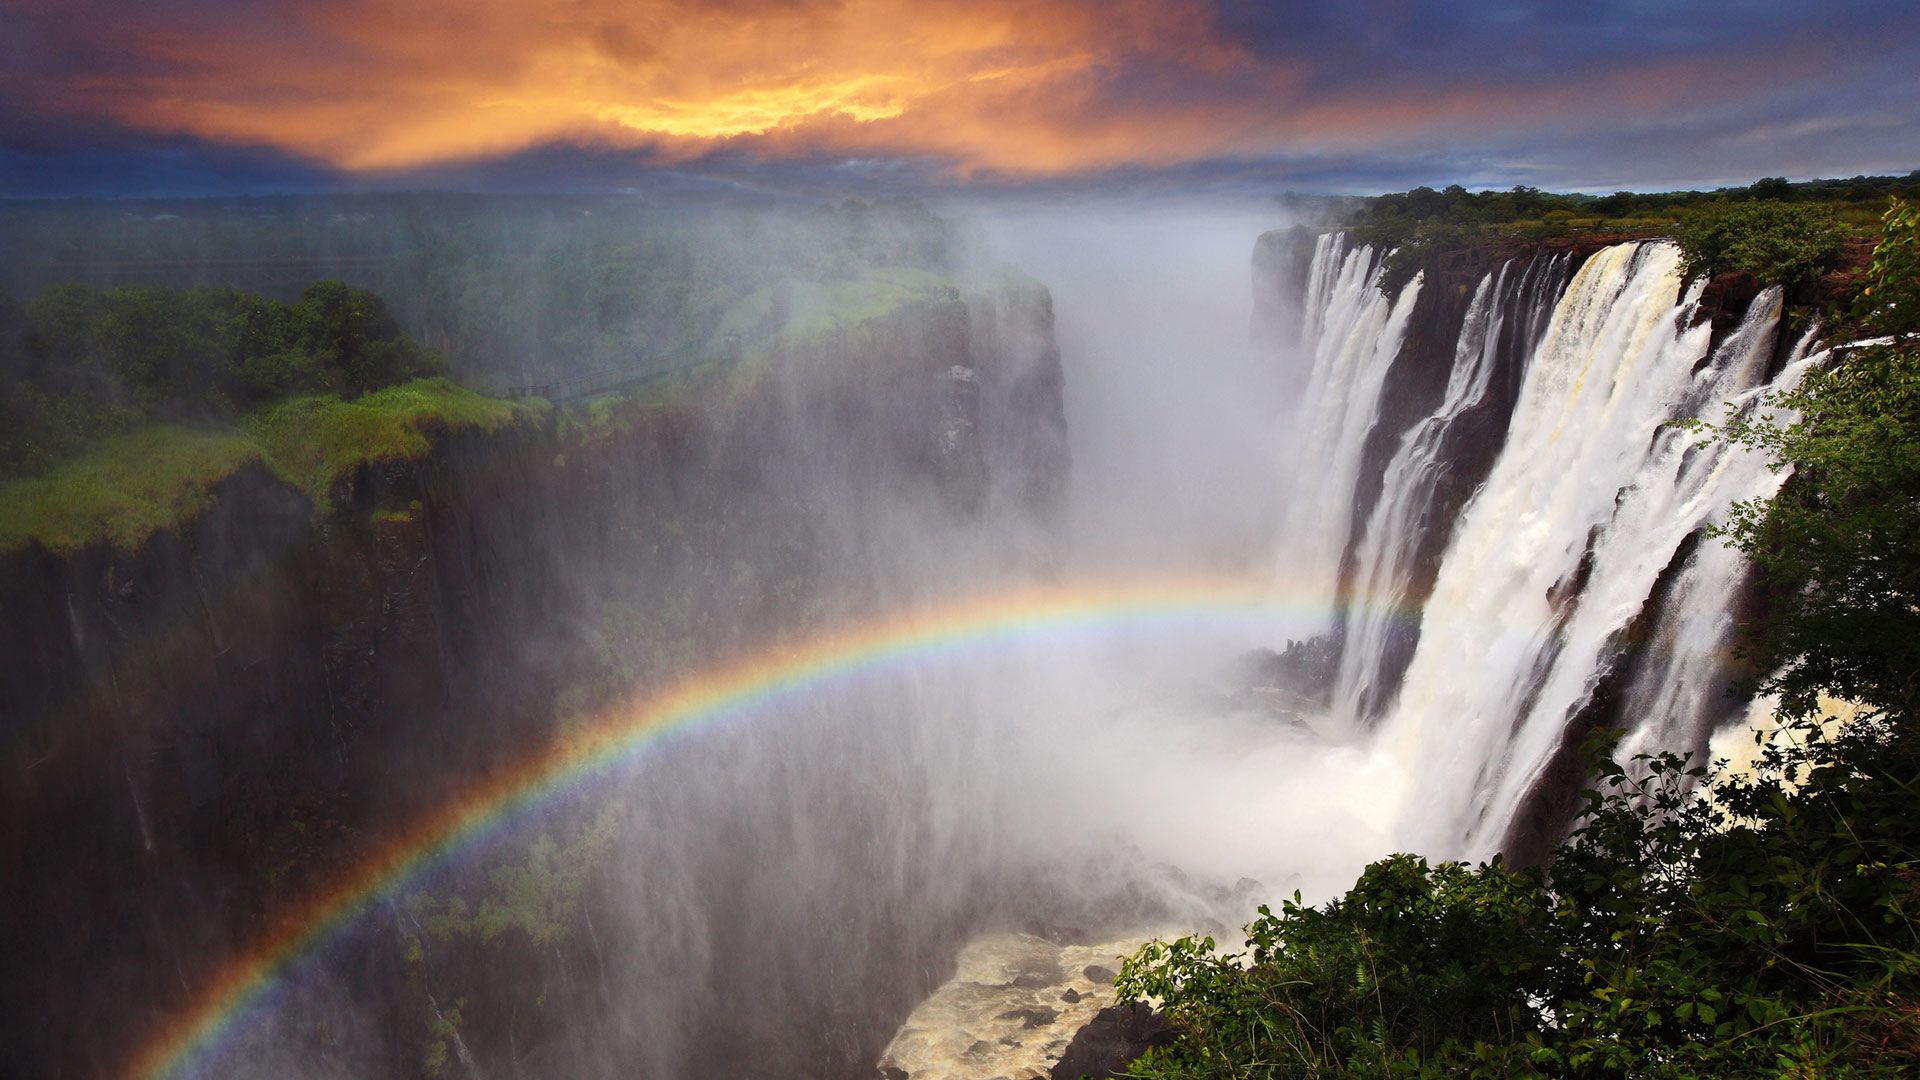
959, 540
1220, 558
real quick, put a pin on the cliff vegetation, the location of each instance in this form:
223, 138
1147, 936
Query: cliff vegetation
1840, 218
1701, 920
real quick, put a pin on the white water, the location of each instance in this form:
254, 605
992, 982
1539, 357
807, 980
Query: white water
1685, 681
1513, 640
1392, 538
1352, 332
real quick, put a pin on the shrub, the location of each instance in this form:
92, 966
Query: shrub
1776, 242
1890, 301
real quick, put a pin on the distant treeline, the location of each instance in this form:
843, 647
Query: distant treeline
79, 363
1779, 230
1860, 199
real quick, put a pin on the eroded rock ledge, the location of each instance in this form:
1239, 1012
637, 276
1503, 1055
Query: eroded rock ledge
1024, 1008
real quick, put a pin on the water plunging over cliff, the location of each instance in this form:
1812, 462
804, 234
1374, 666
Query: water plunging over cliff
1509, 307
1352, 331
1581, 546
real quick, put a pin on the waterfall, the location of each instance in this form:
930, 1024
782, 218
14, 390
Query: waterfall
1352, 331
1555, 556
1682, 689
1508, 313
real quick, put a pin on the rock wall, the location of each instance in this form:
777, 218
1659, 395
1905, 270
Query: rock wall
199, 730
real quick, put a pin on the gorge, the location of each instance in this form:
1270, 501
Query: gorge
1120, 592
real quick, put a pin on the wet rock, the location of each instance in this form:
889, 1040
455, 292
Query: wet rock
1031, 1018
1111, 1041
1015, 1007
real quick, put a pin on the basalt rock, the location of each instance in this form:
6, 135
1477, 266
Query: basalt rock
200, 730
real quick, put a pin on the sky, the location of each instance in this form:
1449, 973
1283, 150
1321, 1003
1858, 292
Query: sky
191, 97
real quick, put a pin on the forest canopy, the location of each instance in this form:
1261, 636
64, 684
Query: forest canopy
79, 363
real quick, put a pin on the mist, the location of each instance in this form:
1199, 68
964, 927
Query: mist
1172, 410
818, 419
724, 436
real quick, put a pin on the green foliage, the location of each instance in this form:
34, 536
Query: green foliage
538, 898
77, 363
159, 476
1777, 242
519, 290
1698, 922
123, 491
311, 442
1890, 301
1414, 964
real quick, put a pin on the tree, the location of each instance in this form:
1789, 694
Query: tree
1777, 242
350, 331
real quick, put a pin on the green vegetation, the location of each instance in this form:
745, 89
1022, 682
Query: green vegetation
566, 293
1698, 922
124, 490
1889, 303
1777, 242
78, 363
121, 409
519, 291
311, 442
1423, 222
508, 946
537, 899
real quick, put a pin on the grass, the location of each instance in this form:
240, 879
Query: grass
124, 489
820, 309
312, 442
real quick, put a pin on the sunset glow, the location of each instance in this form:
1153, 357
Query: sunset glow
1010, 89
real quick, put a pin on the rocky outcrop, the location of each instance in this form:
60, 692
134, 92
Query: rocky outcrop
1024, 1008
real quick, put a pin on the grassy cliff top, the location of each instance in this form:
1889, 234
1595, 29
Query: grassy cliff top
126, 488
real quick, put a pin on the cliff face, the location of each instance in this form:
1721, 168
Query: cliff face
204, 727
1415, 383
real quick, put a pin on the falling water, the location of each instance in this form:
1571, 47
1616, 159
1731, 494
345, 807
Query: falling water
1509, 309
1353, 331
1684, 686
1555, 557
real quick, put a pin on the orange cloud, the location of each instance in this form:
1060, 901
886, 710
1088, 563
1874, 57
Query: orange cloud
1011, 87
1005, 84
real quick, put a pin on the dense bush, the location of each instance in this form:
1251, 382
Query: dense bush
78, 363
1777, 242
1889, 303
1698, 922
1695, 925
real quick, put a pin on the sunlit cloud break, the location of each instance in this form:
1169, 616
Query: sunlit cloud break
985, 88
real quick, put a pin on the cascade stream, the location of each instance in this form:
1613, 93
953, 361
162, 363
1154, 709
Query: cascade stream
1579, 561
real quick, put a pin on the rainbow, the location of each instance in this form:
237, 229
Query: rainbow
1024, 616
